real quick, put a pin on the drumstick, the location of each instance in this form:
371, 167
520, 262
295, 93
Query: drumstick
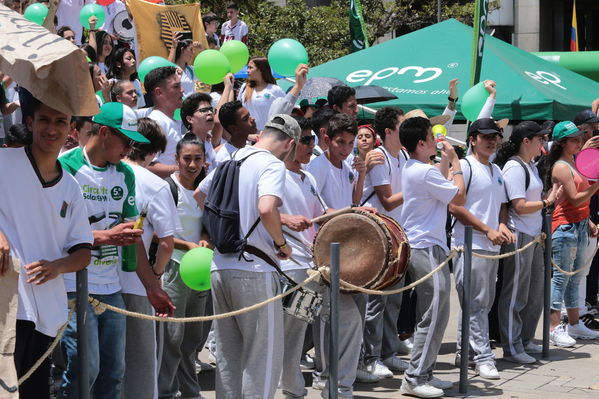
327, 216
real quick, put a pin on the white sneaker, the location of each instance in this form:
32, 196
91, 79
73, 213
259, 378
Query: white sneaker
379, 369
440, 384
421, 391
580, 331
532, 348
396, 364
487, 371
367, 377
559, 337
405, 346
317, 382
522, 358
307, 363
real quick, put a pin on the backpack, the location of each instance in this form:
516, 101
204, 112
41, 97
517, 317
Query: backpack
221, 208
526, 172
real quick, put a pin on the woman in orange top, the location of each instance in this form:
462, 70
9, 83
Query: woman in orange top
570, 227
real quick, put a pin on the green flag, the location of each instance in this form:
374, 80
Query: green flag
478, 39
357, 28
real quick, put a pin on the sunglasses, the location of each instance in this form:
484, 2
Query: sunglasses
307, 140
205, 110
126, 140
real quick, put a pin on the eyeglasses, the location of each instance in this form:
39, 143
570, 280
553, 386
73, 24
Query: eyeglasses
307, 140
127, 142
205, 110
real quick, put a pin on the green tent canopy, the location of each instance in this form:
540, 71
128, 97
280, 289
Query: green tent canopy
417, 68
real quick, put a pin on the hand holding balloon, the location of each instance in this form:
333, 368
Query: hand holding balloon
439, 131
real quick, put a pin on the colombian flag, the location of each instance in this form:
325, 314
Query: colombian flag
574, 33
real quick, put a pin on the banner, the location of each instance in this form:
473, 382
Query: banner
156, 23
357, 28
53, 69
574, 30
481, 9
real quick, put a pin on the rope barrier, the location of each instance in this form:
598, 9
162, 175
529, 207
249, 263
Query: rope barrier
101, 307
576, 271
538, 239
47, 353
451, 255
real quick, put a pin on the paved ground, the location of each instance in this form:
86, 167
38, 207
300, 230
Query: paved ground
568, 374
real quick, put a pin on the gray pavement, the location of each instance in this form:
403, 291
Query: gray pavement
571, 373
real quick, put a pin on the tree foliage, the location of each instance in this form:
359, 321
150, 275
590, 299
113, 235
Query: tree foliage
324, 30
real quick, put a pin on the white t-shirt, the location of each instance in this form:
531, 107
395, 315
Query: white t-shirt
172, 130
188, 81
141, 102
301, 198
67, 14
514, 177
484, 198
260, 175
109, 196
153, 196
40, 221
190, 217
259, 104
424, 211
336, 184
383, 174
235, 32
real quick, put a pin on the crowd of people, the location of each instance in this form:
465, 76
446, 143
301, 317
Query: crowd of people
88, 179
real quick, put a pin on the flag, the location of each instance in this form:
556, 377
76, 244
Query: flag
574, 32
156, 23
478, 40
357, 28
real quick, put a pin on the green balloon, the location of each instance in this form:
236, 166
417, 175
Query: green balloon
285, 55
36, 12
92, 9
150, 63
473, 101
237, 53
211, 66
195, 268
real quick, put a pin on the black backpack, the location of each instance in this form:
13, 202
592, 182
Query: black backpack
221, 208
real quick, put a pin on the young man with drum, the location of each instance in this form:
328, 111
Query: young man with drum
340, 188
383, 192
424, 212
302, 203
483, 211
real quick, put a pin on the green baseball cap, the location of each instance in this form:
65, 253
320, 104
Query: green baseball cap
565, 129
122, 118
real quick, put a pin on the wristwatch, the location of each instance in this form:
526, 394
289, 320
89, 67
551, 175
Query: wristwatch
280, 247
453, 100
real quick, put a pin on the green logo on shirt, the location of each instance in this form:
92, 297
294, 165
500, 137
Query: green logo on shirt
116, 193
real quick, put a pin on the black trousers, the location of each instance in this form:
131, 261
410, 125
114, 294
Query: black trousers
30, 345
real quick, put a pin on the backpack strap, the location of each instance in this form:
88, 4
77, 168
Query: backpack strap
373, 192
467, 188
527, 173
174, 189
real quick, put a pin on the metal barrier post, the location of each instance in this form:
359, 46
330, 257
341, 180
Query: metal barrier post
82, 349
465, 338
334, 320
547, 285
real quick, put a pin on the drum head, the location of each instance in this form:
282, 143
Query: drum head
363, 247
123, 27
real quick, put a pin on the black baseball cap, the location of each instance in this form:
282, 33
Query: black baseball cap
527, 129
484, 126
585, 116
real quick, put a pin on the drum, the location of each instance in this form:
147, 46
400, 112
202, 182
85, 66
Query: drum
123, 28
304, 303
374, 249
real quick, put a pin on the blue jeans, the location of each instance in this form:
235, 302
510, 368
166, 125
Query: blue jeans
106, 351
569, 243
